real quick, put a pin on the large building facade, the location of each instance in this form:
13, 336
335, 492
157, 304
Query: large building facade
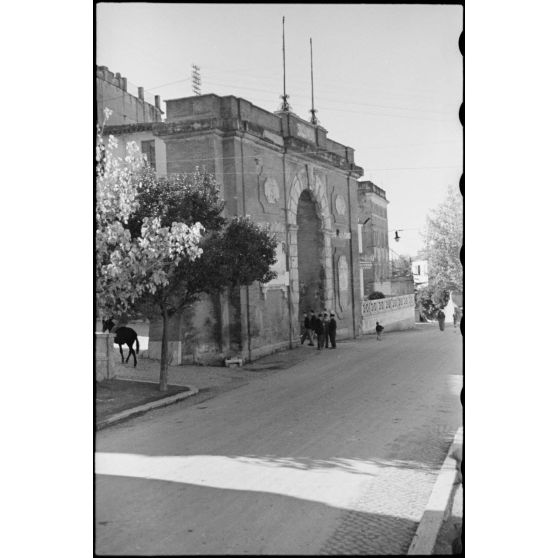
286, 174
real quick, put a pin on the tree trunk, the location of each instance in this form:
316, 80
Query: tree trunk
163, 377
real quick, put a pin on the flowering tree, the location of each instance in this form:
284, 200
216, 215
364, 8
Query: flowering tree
128, 267
235, 251
444, 238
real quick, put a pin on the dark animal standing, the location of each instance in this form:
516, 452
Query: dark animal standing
123, 336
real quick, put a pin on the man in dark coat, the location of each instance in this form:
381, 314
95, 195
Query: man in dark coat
320, 331
379, 329
307, 331
332, 330
326, 329
313, 321
441, 317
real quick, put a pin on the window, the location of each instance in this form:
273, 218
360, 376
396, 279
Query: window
148, 148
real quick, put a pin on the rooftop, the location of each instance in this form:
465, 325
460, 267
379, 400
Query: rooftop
283, 130
368, 187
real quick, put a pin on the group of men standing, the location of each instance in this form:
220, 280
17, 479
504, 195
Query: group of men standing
323, 327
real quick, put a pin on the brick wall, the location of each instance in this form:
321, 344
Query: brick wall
243, 146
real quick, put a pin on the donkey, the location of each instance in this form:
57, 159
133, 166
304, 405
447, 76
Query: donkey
124, 336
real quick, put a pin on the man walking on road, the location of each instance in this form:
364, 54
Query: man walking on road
441, 317
332, 330
379, 330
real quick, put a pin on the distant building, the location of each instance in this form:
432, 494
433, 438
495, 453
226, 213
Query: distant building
112, 92
374, 265
132, 117
420, 273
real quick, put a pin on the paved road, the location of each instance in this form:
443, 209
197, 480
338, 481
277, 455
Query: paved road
336, 455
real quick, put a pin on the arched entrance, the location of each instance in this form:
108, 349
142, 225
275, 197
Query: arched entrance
310, 244
315, 192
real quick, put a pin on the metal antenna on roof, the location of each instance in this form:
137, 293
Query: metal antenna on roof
196, 79
285, 105
313, 111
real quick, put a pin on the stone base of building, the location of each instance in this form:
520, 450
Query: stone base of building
174, 349
202, 355
342, 333
400, 325
260, 352
104, 356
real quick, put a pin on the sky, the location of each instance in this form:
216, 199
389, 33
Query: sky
387, 80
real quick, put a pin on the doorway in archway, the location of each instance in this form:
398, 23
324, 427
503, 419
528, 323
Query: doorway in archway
310, 244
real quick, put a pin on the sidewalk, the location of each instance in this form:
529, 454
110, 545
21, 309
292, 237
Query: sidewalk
212, 377
451, 526
197, 382
442, 519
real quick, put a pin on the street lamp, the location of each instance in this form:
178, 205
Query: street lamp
397, 237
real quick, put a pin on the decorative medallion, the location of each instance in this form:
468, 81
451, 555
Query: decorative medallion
340, 205
271, 190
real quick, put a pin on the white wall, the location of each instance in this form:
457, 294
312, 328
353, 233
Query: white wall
401, 318
393, 313
138, 137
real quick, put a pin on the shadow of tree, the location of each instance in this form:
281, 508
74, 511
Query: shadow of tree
153, 517
357, 466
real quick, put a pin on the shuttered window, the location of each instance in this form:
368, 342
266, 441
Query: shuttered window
148, 148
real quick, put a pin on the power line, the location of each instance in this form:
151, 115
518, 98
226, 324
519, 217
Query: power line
196, 80
332, 84
348, 101
261, 76
150, 89
353, 104
170, 83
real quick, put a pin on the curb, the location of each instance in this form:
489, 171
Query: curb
439, 504
146, 407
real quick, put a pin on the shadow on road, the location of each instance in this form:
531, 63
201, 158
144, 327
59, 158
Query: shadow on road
189, 519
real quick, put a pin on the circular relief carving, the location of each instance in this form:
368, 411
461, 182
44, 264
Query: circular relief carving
271, 190
340, 205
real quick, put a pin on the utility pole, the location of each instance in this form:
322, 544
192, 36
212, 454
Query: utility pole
313, 111
285, 105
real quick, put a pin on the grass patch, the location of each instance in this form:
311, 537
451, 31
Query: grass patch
114, 396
